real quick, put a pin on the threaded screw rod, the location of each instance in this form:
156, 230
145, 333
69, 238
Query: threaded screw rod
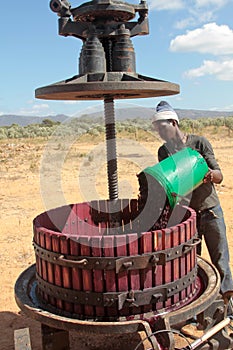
110, 133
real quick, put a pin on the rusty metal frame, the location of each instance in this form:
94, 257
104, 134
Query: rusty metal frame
121, 299
27, 300
67, 27
29, 303
135, 262
208, 273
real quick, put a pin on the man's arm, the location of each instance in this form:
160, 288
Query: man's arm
214, 174
162, 153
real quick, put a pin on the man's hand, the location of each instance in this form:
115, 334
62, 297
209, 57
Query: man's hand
209, 177
214, 176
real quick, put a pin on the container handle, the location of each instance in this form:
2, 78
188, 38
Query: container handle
189, 246
75, 262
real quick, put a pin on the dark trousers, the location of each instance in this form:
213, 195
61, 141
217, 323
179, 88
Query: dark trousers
211, 226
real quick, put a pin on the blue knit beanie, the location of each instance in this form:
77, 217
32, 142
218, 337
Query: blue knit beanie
164, 111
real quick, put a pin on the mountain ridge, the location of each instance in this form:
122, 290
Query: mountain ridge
120, 114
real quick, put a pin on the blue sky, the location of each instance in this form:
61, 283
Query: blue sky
190, 43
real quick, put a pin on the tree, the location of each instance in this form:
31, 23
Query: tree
229, 124
48, 122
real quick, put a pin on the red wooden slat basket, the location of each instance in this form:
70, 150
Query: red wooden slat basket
91, 270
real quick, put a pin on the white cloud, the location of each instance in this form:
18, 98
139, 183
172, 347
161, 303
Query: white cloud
184, 23
197, 11
166, 5
228, 108
200, 11
222, 70
215, 3
71, 102
195, 18
36, 109
211, 38
189, 5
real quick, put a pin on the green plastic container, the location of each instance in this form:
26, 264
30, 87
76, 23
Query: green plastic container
179, 174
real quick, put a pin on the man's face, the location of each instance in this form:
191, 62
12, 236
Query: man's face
165, 128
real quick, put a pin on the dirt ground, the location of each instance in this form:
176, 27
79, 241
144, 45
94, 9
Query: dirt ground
22, 197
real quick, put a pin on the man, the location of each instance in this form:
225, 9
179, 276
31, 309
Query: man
204, 199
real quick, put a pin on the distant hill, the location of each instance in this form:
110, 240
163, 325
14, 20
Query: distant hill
9, 119
147, 113
120, 114
195, 113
